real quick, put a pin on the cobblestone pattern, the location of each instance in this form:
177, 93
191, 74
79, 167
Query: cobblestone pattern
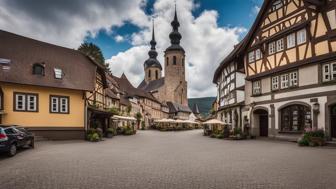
180, 160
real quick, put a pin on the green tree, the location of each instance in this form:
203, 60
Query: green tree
93, 51
129, 109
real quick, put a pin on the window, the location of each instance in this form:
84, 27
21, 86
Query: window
332, 18
301, 36
279, 45
291, 40
58, 73
329, 72
293, 79
183, 61
59, 104
174, 60
156, 74
277, 5
284, 81
149, 73
251, 56
271, 48
289, 80
256, 85
25, 102
258, 54
295, 118
31, 103
167, 60
38, 69
275, 83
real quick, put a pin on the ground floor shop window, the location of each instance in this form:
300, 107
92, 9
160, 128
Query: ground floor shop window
295, 118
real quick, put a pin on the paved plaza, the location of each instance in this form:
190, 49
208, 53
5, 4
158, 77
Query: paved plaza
152, 159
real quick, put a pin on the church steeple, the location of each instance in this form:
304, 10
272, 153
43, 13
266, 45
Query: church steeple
152, 53
152, 66
175, 35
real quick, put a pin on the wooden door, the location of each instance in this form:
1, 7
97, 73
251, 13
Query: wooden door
333, 121
263, 123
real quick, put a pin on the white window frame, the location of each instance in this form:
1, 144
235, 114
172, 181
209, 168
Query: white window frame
256, 87
291, 40
326, 72
251, 57
279, 45
54, 103
64, 105
271, 48
293, 79
32, 102
333, 71
284, 78
58, 73
23, 102
301, 36
275, 83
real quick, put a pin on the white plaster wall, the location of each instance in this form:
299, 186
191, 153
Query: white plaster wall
240, 96
308, 75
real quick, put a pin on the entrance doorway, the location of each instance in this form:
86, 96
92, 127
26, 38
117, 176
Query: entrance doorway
261, 120
333, 120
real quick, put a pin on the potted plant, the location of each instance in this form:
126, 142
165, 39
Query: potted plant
110, 132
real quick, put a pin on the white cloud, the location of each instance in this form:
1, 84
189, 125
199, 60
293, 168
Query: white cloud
204, 41
256, 9
65, 22
119, 38
68, 23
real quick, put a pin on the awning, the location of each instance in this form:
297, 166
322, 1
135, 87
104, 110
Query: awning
214, 121
124, 118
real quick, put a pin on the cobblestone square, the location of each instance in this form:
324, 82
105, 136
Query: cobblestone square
152, 159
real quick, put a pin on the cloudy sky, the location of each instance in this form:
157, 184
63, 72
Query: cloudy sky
122, 29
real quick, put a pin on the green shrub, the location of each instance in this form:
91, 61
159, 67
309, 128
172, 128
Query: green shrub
312, 138
95, 137
220, 136
237, 131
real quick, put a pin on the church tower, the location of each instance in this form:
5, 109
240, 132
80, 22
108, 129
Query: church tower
175, 82
152, 66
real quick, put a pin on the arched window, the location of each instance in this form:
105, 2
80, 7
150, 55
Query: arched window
295, 118
167, 60
156, 74
182, 61
174, 60
38, 69
149, 73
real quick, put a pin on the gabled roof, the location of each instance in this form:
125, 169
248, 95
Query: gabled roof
23, 52
233, 54
152, 85
126, 87
175, 107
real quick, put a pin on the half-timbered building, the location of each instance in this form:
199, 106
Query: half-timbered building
290, 65
230, 80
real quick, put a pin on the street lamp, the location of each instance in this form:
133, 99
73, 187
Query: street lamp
316, 107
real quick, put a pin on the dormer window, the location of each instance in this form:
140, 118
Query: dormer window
58, 73
38, 69
277, 5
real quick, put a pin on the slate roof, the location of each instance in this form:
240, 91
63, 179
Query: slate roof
152, 85
175, 107
78, 70
126, 87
